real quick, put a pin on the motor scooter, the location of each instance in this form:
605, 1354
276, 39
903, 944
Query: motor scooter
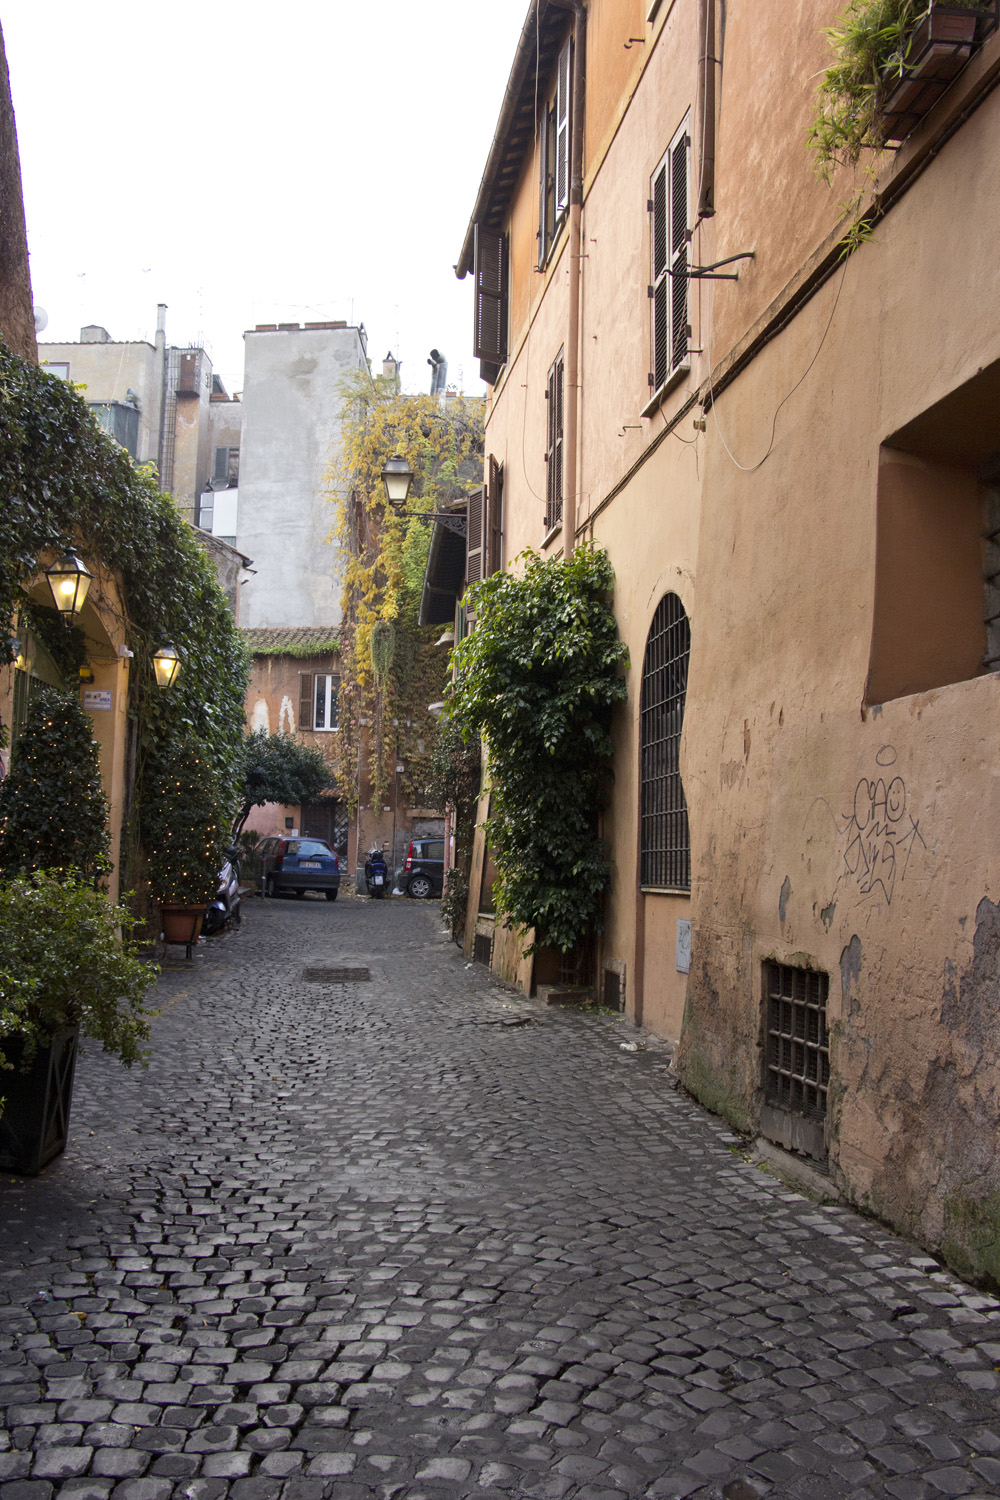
225, 907
376, 872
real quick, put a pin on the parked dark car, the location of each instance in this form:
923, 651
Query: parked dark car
422, 874
298, 865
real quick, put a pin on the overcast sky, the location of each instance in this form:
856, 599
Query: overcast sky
254, 164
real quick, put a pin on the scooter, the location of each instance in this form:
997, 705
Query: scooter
376, 873
225, 908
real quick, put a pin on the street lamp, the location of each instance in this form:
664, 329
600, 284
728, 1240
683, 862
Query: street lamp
397, 476
69, 581
166, 665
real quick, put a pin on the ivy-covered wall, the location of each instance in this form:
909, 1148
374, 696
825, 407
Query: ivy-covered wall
64, 482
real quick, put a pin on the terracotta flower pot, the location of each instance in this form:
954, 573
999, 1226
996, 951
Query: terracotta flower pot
181, 924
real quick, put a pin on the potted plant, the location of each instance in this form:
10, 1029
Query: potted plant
64, 968
892, 61
185, 828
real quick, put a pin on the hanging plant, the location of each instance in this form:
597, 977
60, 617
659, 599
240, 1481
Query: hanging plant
382, 649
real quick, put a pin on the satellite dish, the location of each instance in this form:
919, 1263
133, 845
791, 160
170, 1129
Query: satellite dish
41, 320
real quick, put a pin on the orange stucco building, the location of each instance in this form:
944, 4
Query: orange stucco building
794, 472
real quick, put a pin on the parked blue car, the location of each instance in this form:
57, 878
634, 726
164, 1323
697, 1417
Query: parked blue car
298, 865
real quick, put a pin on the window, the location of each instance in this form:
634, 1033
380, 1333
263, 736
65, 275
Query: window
796, 1057
490, 275
554, 445
554, 138
484, 527
119, 421
226, 474
665, 843
318, 695
669, 230
936, 615
56, 367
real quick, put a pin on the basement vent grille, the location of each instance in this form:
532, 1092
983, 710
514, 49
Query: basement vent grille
322, 975
613, 990
797, 1048
482, 948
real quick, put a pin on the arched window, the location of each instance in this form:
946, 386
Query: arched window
665, 844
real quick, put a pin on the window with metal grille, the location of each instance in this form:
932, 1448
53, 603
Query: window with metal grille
665, 842
669, 227
554, 444
796, 1047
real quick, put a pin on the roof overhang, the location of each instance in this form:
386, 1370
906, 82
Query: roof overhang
541, 36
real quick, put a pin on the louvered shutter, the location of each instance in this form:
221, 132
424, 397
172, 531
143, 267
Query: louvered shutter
563, 81
305, 700
543, 188
491, 297
554, 447
661, 281
495, 523
679, 249
474, 545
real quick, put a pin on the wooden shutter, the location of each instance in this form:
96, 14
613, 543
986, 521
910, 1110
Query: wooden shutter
554, 447
305, 700
474, 543
564, 74
679, 249
660, 288
494, 551
221, 465
491, 298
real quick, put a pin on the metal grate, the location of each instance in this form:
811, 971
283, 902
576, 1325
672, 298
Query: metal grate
613, 990
665, 839
336, 976
482, 948
797, 1047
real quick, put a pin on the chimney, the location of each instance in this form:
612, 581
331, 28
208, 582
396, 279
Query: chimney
161, 326
390, 366
94, 334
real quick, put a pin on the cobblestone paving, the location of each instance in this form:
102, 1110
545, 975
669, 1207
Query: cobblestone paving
419, 1237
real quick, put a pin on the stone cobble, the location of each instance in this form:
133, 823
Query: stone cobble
419, 1237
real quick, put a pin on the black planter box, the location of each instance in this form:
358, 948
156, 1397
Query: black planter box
34, 1125
941, 45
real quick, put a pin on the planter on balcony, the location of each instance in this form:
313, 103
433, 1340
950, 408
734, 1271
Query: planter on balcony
940, 46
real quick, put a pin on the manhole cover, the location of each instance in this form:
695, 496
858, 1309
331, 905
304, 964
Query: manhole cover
337, 976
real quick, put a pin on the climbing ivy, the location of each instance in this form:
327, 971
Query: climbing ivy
390, 668
538, 679
65, 482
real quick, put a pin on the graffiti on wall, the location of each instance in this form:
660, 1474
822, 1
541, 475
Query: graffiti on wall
880, 833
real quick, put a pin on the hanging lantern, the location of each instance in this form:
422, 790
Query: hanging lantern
69, 581
166, 664
397, 476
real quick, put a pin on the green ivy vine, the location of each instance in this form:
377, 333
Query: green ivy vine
65, 482
538, 678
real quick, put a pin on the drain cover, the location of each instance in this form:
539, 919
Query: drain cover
337, 976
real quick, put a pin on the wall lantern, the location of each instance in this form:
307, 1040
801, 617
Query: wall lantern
397, 476
69, 581
166, 664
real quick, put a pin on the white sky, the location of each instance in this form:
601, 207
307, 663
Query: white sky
251, 163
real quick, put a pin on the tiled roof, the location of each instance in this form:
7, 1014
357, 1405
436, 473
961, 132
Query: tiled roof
295, 640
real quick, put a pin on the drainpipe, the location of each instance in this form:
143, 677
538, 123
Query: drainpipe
706, 105
572, 414
161, 350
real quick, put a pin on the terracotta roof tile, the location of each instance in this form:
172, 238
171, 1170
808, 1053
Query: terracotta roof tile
274, 640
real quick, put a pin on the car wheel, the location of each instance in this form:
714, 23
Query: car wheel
331, 895
300, 895
419, 886
269, 889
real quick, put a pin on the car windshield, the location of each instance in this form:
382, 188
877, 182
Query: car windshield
308, 848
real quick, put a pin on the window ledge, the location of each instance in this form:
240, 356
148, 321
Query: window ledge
665, 890
673, 379
551, 535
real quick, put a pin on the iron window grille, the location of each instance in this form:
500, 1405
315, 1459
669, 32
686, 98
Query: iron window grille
665, 840
670, 216
796, 1045
554, 444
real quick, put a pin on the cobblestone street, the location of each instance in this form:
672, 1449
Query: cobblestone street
416, 1236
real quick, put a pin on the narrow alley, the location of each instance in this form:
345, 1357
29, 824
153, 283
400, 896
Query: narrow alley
373, 1226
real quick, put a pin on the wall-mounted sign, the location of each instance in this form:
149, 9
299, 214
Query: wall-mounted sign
683, 947
95, 698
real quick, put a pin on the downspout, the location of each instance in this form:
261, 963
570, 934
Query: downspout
572, 417
706, 105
